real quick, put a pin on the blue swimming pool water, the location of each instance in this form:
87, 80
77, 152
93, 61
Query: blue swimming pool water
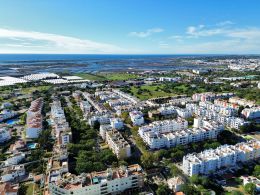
12, 121
31, 145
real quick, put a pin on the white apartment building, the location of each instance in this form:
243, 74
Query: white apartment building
169, 79
117, 102
5, 134
7, 114
116, 123
34, 119
212, 160
226, 111
164, 126
156, 138
103, 129
251, 113
111, 181
15, 159
241, 101
167, 110
184, 113
225, 103
60, 126
103, 119
134, 100
12, 172
85, 106
136, 117
98, 106
118, 144
175, 183
209, 96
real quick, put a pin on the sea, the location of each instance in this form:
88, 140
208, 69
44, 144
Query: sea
15, 64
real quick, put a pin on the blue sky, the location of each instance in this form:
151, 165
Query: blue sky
130, 26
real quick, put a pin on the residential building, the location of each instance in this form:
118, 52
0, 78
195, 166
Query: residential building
241, 101
9, 189
251, 179
15, 158
224, 156
136, 117
156, 138
12, 172
5, 134
116, 123
34, 119
184, 113
118, 144
7, 114
251, 113
175, 183
111, 181
132, 99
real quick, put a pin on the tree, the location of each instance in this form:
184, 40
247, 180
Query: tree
22, 189
189, 189
147, 160
257, 171
236, 193
163, 190
250, 188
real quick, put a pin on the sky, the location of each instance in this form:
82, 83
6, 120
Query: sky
130, 26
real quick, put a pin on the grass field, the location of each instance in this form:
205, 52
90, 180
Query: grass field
149, 91
107, 76
92, 77
32, 89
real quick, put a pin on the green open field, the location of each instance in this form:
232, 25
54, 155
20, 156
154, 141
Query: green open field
107, 76
149, 91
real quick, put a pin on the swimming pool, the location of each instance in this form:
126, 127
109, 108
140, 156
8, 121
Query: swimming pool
12, 121
31, 145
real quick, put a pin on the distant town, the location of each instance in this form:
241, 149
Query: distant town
188, 130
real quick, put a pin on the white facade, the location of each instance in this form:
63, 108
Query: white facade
118, 144
13, 172
137, 117
251, 113
184, 113
177, 134
15, 159
111, 181
211, 160
5, 134
34, 119
116, 123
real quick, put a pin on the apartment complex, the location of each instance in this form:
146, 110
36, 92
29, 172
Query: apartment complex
251, 113
5, 134
60, 126
211, 160
111, 181
34, 119
174, 133
136, 117
118, 144
209, 96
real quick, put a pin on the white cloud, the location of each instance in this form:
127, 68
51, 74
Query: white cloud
27, 42
146, 33
224, 23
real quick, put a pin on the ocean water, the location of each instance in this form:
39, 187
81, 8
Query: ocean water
12, 64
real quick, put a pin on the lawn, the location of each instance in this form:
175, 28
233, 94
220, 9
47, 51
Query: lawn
107, 76
29, 90
92, 77
119, 76
149, 91
29, 190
